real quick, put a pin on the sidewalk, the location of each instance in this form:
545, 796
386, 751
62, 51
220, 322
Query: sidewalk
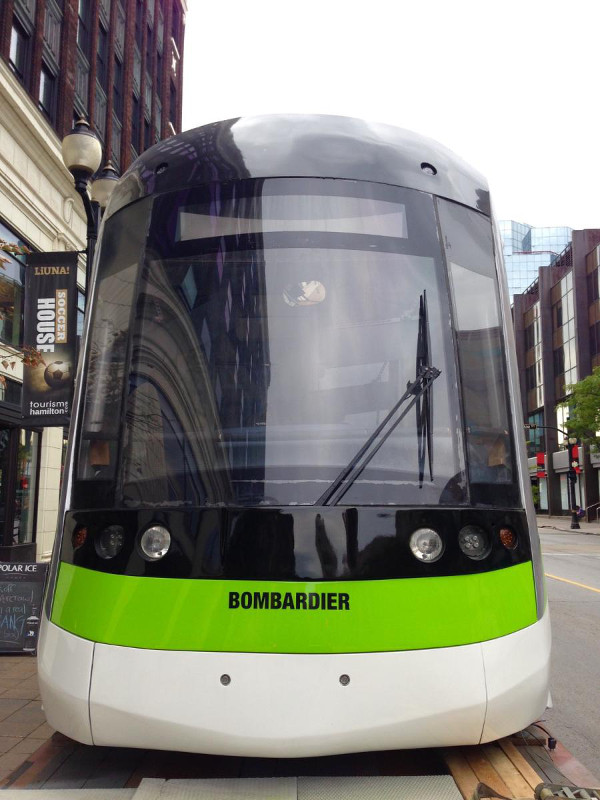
546, 523
23, 726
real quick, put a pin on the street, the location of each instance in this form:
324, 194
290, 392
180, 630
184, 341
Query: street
572, 567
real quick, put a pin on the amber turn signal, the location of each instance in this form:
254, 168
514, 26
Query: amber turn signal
79, 536
508, 538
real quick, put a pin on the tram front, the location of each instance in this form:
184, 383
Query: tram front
295, 520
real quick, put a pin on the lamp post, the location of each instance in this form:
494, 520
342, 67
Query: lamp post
82, 155
571, 475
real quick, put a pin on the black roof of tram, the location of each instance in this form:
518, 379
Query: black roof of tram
296, 145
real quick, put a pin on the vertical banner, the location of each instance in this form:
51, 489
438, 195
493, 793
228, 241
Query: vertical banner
50, 338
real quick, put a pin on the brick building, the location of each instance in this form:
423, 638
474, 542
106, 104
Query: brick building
117, 63
557, 335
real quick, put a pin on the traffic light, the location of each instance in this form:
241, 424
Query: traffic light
574, 462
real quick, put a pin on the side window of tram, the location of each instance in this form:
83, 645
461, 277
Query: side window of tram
467, 238
120, 257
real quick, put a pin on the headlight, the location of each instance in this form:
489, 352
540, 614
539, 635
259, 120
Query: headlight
110, 541
426, 544
155, 542
474, 542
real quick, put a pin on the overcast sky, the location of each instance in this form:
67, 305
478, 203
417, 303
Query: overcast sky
513, 87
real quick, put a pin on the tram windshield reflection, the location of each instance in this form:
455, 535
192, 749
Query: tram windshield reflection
275, 325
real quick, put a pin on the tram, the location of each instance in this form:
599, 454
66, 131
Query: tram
296, 516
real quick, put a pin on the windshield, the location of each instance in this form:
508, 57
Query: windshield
257, 337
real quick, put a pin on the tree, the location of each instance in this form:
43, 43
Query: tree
584, 409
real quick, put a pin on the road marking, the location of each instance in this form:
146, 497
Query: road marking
573, 583
573, 555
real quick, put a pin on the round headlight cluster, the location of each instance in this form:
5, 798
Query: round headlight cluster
155, 542
426, 545
110, 541
474, 542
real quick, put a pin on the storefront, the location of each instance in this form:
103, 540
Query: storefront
20, 448
20, 452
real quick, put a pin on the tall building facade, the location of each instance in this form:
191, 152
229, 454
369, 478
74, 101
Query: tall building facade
117, 63
526, 249
557, 334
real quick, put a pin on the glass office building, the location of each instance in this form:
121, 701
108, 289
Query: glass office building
526, 249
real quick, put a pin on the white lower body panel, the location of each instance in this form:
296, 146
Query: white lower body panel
295, 705
64, 674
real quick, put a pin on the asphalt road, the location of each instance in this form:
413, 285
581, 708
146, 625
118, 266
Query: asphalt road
572, 567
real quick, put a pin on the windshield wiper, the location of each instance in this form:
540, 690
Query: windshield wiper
419, 388
424, 402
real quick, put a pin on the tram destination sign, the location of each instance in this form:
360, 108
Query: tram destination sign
21, 588
50, 339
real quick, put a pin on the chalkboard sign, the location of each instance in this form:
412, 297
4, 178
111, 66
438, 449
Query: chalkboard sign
21, 587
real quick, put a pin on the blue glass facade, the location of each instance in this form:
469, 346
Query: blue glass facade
526, 249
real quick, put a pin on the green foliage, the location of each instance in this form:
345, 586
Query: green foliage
535, 491
584, 405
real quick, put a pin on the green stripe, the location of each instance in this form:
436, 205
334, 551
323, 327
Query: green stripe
386, 615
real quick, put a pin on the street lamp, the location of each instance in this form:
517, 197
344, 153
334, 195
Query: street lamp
103, 186
82, 155
572, 474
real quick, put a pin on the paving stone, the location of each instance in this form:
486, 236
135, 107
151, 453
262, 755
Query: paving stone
22, 692
7, 743
27, 746
43, 732
8, 683
24, 729
32, 712
8, 706
23, 667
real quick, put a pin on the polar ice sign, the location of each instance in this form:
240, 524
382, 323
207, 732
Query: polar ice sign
21, 588
50, 339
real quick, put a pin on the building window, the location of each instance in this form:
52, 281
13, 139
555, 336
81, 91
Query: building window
19, 469
102, 58
536, 442
558, 315
84, 27
12, 278
135, 123
175, 24
149, 49
595, 339
118, 89
47, 96
173, 106
138, 23
592, 286
559, 362
10, 392
19, 54
80, 312
529, 337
